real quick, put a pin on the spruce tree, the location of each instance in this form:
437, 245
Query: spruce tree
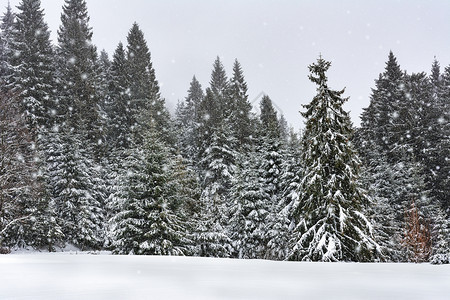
186, 116
249, 210
33, 75
329, 220
240, 117
147, 221
78, 72
280, 217
16, 174
143, 87
6, 53
119, 112
76, 192
380, 120
438, 138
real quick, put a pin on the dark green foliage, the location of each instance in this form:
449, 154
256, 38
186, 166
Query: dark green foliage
329, 220
6, 53
186, 116
249, 210
118, 107
147, 221
147, 107
78, 72
33, 75
240, 117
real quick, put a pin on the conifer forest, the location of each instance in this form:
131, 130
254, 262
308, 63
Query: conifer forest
90, 156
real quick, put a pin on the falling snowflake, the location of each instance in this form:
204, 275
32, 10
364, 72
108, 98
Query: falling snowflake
395, 115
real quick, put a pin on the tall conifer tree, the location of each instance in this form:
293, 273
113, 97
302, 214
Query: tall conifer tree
330, 223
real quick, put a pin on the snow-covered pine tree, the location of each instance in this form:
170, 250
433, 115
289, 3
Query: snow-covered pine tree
212, 109
6, 54
329, 222
32, 80
217, 173
240, 117
75, 192
33, 58
211, 235
15, 173
379, 119
270, 147
272, 157
186, 116
280, 218
78, 73
382, 178
439, 137
147, 221
104, 75
120, 117
440, 252
143, 87
249, 211
186, 199
284, 129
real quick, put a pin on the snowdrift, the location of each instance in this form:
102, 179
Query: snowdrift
84, 276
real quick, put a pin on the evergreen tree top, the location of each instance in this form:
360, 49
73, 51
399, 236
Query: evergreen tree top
269, 119
7, 19
30, 25
137, 45
393, 71
75, 9
75, 34
218, 78
318, 71
195, 92
118, 62
238, 84
435, 72
326, 100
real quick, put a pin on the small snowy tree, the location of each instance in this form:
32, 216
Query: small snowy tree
249, 210
330, 224
147, 220
186, 116
75, 190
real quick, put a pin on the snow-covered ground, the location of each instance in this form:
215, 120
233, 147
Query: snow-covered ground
82, 276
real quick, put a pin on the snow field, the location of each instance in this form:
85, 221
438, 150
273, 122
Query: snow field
83, 276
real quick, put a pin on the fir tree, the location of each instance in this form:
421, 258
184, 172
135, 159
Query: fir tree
16, 169
6, 53
78, 71
75, 190
240, 117
104, 76
119, 114
33, 64
186, 116
143, 87
380, 120
249, 210
329, 220
438, 137
147, 221
280, 217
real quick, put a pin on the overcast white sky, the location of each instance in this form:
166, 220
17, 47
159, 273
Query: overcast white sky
275, 41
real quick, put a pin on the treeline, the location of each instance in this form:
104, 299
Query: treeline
90, 156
